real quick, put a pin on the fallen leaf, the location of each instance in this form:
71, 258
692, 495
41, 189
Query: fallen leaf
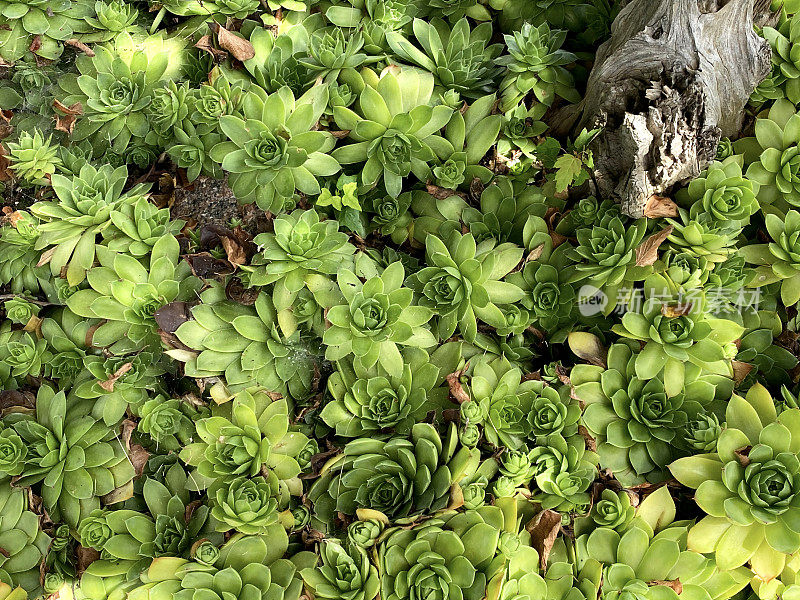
240, 48
172, 316
740, 370
456, 389
86, 556
14, 399
674, 584
591, 443
456, 497
80, 46
138, 457
238, 293
544, 529
5, 164
647, 252
46, 256
676, 310
660, 206
535, 253
108, 384
36, 43
206, 266
743, 455
441, 193
205, 43
66, 122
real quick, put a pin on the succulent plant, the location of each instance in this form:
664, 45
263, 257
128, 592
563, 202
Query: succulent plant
127, 294
245, 437
25, 544
400, 477
379, 316
368, 402
746, 487
777, 260
463, 282
33, 158
635, 421
76, 458
245, 344
343, 573
70, 225
786, 68
772, 156
116, 87
459, 58
50, 22
272, 150
395, 132
535, 62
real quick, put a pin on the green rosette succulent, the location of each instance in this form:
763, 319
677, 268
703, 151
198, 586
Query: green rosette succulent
606, 257
137, 225
168, 111
113, 384
785, 62
22, 354
18, 255
379, 316
677, 331
127, 294
211, 101
563, 470
748, 487
462, 283
302, 252
772, 156
612, 510
779, 260
168, 422
83, 209
703, 237
683, 271
110, 18
342, 574
722, 192
247, 505
513, 411
237, 9
635, 422
128, 539
33, 158
365, 532
245, 437
24, 543
76, 458
248, 567
331, 53
272, 151
650, 560
549, 297
395, 131
51, 23
243, 344
535, 63
452, 555
116, 87
400, 477
369, 402
459, 58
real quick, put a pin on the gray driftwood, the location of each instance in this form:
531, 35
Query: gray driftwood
673, 78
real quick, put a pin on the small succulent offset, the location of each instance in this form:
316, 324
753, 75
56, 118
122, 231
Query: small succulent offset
342, 573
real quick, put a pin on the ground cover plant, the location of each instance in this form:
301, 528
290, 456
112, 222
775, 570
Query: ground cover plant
317, 299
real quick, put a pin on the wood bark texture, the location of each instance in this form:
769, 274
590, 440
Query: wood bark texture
670, 82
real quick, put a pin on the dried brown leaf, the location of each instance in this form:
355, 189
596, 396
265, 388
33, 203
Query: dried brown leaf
80, 46
740, 370
544, 529
108, 384
69, 115
240, 48
674, 584
456, 389
676, 310
205, 43
172, 316
647, 252
660, 206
